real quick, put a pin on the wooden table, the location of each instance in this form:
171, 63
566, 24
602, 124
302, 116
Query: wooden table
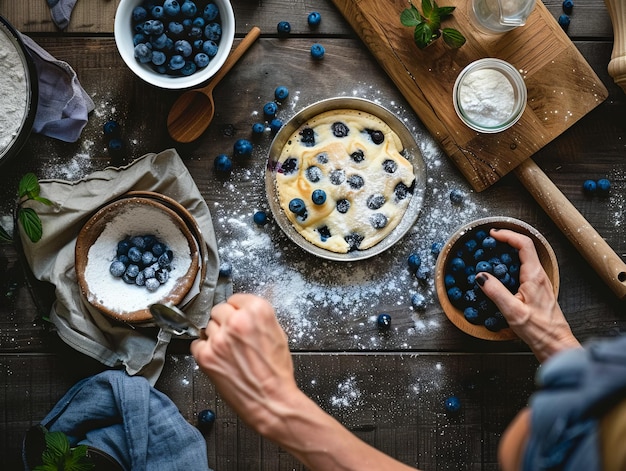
390, 389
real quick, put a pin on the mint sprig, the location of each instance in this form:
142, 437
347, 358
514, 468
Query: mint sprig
427, 24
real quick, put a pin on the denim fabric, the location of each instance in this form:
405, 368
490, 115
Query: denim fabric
577, 388
134, 423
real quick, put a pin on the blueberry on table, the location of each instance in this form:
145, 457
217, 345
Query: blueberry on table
258, 128
604, 185
242, 148
414, 261
453, 404
283, 28
314, 19
223, 164
317, 51
590, 187
422, 274
564, 21
568, 6
226, 269
260, 218
275, 125
418, 301
436, 247
384, 322
206, 419
456, 196
111, 127
270, 109
281, 92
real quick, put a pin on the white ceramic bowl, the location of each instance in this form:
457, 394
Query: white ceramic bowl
124, 40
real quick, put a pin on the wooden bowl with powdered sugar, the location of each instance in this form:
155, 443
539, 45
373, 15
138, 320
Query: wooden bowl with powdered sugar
97, 248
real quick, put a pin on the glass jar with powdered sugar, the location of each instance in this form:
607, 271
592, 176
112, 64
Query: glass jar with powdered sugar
489, 95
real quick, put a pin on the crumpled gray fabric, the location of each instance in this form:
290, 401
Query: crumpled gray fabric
141, 350
134, 423
63, 106
578, 387
61, 11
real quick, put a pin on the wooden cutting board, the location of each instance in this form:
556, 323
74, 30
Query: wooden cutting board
561, 85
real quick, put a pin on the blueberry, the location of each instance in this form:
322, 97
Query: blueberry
140, 279
457, 264
183, 47
470, 296
164, 260
471, 245
111, 127
147, 258
157, 12
152, 284
223, 164
209, 48
390, 166
226, 269
378, 220
317, 51
275, 125
270, 109
376, 136
422, 274
356, 182
384, 322
401, 191
213, 32
564, 21
307, 137
479, 254
283, 28
258, 128
568, 6
153, 27
590, 186
139, 14
343, 206
289, 166
132, 270
500, 270
318, 197
489, 243
354, 240
455, 294
260, 218
449, 281
171, 7
314, 19
206, 418
376, 201
134, 254
201, 59
453, 404
604, 185
242, 148
115, 145
128, 279
322, 158
140, 38
358, 156
199, 22
480, 235
117, 268
281, 93
337, 177
143, 53
418, 301
493, 324
189, 9
123, 246
210, 12
471, 315
297, 206
414, 261
457, 197
340, 129
177, 62
484, 266
436, 247
158, 57
175, 28
313, 174
324, 233
124, 259
149, 272
162, 276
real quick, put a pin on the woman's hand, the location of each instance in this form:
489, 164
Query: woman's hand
533, 312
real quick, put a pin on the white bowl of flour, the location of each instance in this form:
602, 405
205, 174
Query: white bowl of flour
18, 92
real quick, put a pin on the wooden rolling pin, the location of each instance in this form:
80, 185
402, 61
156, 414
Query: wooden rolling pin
617, 65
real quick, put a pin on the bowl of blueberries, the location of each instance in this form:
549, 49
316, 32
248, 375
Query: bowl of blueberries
174, 44
471, 250
134, 252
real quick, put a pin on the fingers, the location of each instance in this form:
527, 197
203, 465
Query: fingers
525, 245
498, 293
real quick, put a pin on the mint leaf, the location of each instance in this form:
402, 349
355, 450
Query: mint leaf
29, 186
31, 223
453, 38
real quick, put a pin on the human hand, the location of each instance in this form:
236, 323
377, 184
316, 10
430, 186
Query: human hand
247, 357
533, 312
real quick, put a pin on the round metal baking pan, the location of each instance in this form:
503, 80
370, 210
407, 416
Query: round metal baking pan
410, 151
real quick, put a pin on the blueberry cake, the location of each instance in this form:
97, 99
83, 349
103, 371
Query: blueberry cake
342, 181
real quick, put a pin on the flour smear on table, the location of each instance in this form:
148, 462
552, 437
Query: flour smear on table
13, 91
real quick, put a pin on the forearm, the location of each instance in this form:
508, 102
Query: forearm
321, 443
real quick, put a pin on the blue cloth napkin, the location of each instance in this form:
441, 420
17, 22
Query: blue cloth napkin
64, 106
61, 11
133, 422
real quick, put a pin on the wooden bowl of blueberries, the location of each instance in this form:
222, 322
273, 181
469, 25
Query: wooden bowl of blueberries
133, 252
471, 250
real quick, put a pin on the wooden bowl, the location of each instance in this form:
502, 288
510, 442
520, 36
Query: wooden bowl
546, 257
96, 248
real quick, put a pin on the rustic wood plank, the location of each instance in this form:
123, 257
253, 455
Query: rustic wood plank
394, 402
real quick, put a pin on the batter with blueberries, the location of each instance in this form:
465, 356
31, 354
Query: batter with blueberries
342, 181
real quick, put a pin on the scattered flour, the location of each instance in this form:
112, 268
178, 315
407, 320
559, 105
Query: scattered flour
115, 293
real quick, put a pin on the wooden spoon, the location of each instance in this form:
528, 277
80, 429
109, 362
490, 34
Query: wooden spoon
193, 111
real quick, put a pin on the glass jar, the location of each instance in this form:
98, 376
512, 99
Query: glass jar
489, 95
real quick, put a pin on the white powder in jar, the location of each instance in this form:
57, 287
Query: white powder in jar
486, 97
13, 90
113, 292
